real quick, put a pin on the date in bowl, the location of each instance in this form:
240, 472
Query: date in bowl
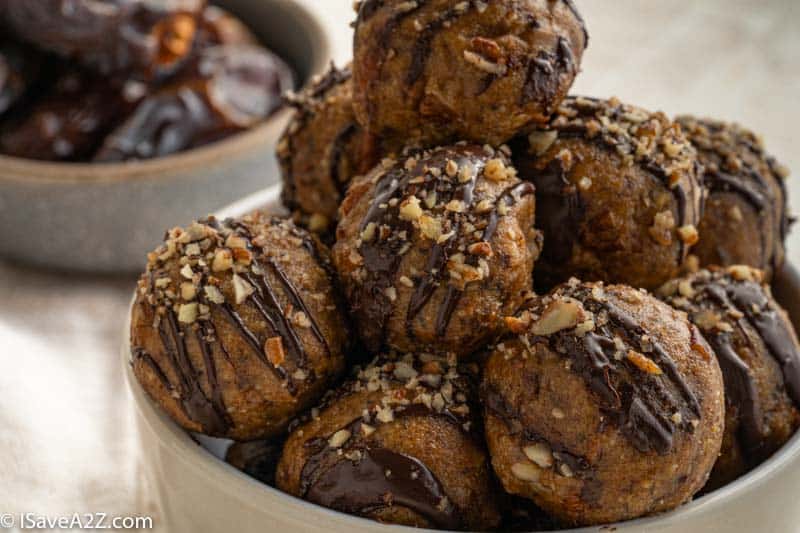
105, 217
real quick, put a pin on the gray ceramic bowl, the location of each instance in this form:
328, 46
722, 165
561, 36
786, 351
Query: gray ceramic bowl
105, 218
199, 493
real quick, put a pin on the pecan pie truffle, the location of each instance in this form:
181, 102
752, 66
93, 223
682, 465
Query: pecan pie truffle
433, 249
606, 405
618, 197
322, 148
445, 70
745, 220
400, 443
19, 68
235, 328
757, 349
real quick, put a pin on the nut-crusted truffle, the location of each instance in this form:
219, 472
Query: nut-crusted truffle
606, 405
440, 71
236, 328
435, 248
321, 150
618, 196
757, 349
399, 443
745, 220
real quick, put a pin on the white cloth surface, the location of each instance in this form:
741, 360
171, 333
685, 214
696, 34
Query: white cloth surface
67, 442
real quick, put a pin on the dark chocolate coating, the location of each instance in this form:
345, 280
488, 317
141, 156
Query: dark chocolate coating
226, 90
71, 119
399, 443
604, 405
618, 196
147, 37
745, 219
258, 459
757, 349
321, 150
236, 327
438, 71
432, 250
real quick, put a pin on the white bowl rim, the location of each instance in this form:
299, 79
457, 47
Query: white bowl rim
17, 169
234, 482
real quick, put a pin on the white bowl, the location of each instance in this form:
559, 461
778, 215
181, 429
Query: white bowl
199, 493
106, 217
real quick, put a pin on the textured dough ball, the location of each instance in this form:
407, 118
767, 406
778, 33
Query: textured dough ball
757, 349
444, 70
432, 250
745, 218
618, 196
400, 443
606, 405
236, 326
321, 150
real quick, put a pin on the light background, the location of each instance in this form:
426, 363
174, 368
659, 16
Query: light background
66, 439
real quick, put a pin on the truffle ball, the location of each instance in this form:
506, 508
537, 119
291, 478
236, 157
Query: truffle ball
756, 347
745, 220
322, 148
445, 70
606, 405
618, 196
236, 326
400, 443
433, 249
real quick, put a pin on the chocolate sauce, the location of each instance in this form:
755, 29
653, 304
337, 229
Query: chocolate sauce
380, 479
642, 405
209, 413
421, 51
559, 209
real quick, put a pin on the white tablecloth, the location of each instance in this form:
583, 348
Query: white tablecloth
66, 438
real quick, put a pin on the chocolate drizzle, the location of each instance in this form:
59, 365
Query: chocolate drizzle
735, 162
210, 413
648, 407
559, 210
382, 256
337, 151
421, 51
380, 479
542, 81
747, 306
364, 477
497, 405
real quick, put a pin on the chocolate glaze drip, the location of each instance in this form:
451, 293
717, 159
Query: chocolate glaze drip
559, 210
209, 413
453, 294
382, 257
383, 478
641, 404
421, 51
497, 405
544, 73
337, 151
361, 486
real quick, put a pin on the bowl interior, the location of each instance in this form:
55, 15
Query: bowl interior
209, 456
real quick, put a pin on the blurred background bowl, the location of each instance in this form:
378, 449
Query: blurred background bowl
197, 492
105, 218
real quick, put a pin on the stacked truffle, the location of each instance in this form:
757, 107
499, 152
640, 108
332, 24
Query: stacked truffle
493, 245
120, 80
